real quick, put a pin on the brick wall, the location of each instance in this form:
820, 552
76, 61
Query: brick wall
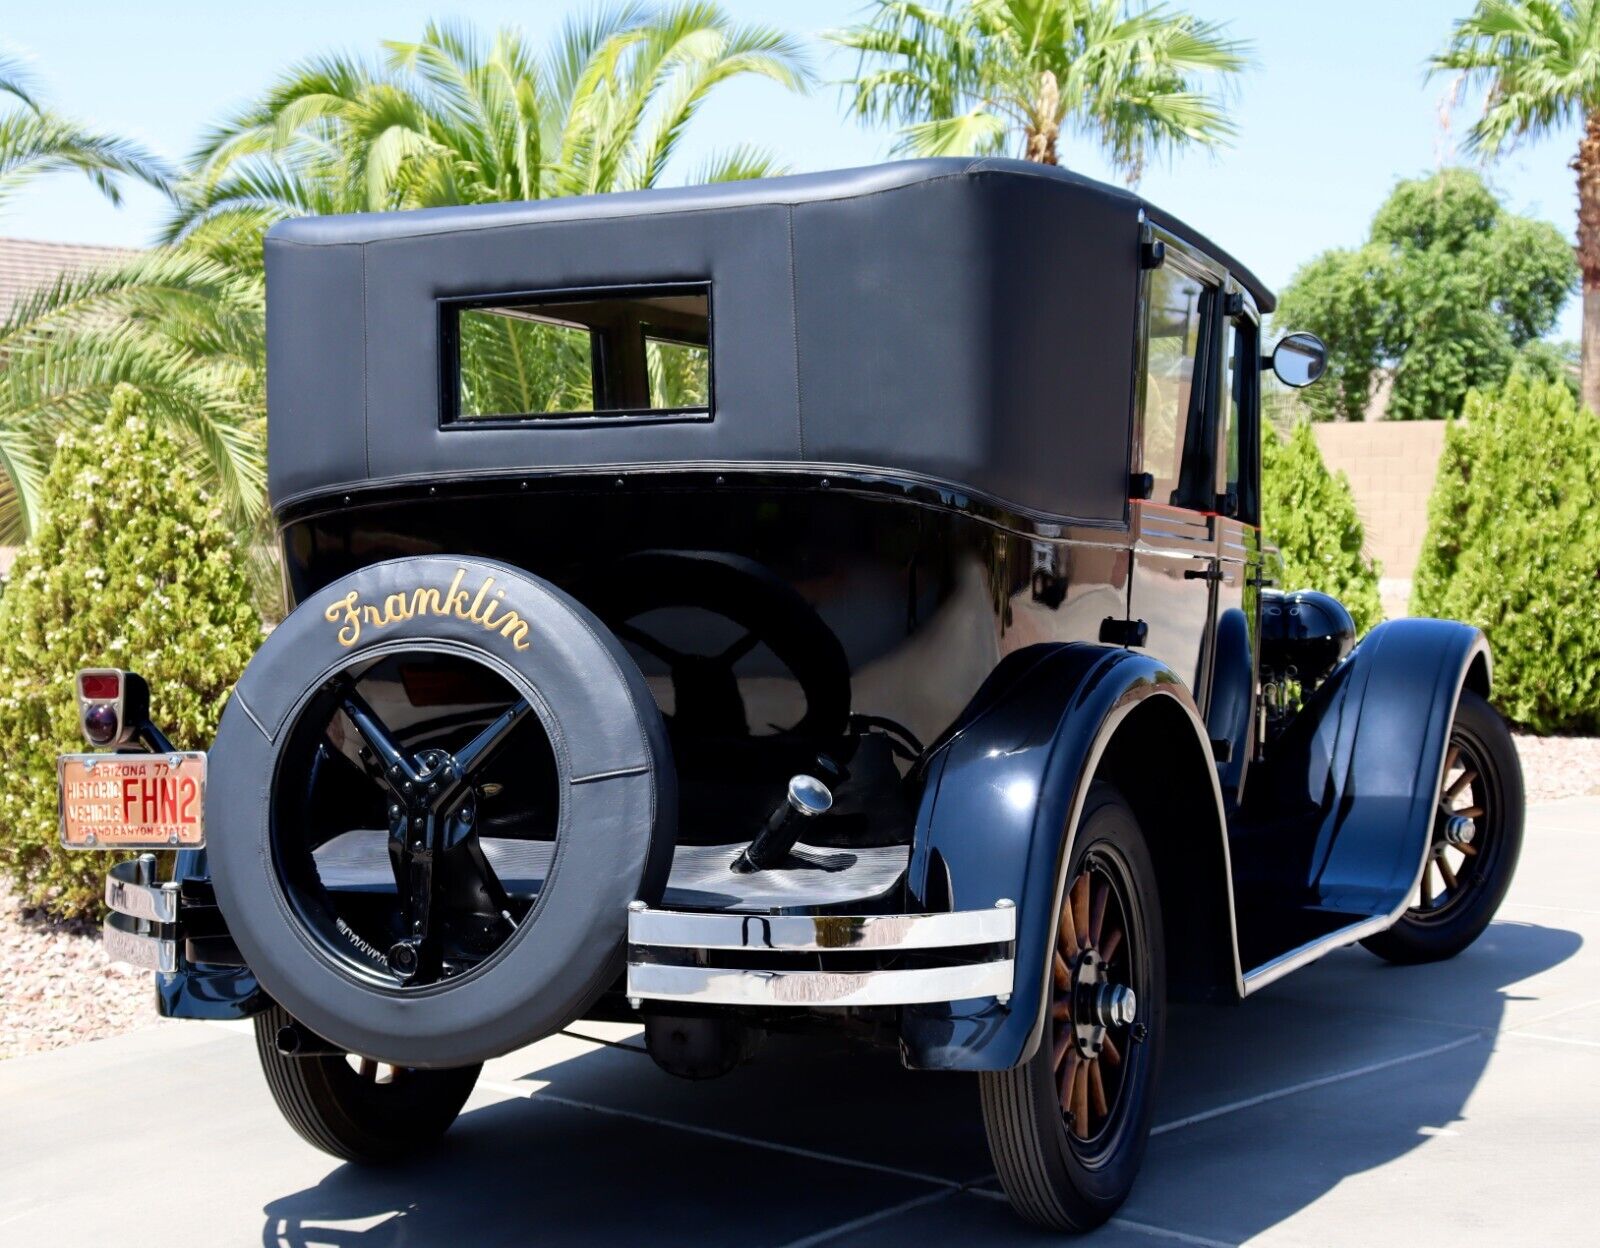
1391, 466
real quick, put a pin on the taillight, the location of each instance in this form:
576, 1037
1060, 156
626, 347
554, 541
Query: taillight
99, 686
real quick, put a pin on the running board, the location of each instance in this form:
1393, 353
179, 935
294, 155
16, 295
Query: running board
1276, 968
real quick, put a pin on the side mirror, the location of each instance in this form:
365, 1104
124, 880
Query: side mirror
1299, 359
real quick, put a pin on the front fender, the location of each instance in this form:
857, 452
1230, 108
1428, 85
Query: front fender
1002, 796
1353, 780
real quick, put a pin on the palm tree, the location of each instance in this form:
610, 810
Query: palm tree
1538, 62
984, 76
64, 348
35, 141
453, 119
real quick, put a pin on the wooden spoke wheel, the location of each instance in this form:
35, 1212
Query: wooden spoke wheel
1475, 840
1465, 822
1095, 1005
1067, 1128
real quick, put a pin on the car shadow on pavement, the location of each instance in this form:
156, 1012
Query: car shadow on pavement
1339, 1069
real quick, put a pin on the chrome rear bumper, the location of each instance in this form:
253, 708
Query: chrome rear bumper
670, 954
140, 930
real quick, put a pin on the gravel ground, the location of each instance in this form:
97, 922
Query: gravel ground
56, 987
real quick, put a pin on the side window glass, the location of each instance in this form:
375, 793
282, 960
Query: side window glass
1174, 377
1235, 480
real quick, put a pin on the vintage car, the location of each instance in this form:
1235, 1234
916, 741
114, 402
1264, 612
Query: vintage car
828, 602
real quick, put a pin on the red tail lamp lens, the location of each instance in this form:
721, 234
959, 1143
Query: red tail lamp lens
100, 686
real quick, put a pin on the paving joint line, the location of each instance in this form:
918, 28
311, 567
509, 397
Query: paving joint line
732, 1137
1311, 1085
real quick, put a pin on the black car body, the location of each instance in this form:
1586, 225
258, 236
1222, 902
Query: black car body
937, 482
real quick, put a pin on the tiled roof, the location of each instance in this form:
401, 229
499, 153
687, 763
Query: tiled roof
26, 265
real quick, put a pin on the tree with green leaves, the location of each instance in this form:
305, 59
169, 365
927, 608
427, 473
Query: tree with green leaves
152, 322
132, 565
1538, 64
454, 118
1512, 547
1449, 292
983, 77
1310, 515
450, 118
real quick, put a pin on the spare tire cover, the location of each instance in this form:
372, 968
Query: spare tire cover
616, 825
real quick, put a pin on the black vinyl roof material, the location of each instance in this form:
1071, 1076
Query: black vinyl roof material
969, 321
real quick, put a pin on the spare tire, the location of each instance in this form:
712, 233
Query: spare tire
612, 816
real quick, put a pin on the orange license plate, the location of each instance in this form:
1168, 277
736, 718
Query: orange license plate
132, 801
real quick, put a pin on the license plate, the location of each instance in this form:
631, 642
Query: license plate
132, 801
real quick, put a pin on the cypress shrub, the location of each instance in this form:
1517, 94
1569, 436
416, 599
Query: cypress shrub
132, 567
1513, 546
1310, 515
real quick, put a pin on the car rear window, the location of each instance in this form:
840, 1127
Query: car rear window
577, 354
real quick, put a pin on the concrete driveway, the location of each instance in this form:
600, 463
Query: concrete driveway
1353, 1103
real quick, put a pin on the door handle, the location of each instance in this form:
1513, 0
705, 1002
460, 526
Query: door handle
1211, 573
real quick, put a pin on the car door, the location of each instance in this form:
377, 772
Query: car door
1174, 538
1230, 706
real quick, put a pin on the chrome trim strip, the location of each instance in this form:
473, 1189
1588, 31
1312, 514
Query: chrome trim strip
680, 929
124, 943
127, 895
713, 986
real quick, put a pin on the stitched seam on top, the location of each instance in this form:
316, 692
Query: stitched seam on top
794, 325
366, 423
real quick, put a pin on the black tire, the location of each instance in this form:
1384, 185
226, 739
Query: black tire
613, 776
1441, 926
347, 1113
1053, 1177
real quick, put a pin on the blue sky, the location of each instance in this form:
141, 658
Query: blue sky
1334, 112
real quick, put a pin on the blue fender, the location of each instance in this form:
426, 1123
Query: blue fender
1000, 803
1350, 787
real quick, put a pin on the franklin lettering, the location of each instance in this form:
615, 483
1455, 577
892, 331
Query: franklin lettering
485, 608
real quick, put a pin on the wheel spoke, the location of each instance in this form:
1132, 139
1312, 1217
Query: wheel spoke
472, 756
1446, 872
1061, 1011
1080, 1101
1067, 933
1471, 812
1460, 782
1069, 1078
366, 1068
1080, 908
1097, 909
1109, 1051
1097, 1091
377, 737
1063, 1046
1427, 883
738, 650
1063, 973
1109, 946
649, 644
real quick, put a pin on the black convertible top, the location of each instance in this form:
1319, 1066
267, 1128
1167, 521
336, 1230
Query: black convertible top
969, 321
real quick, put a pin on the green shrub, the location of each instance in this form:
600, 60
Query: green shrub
1310, 515
1513, 546
132, 567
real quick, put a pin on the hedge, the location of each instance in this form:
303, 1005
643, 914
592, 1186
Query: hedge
1310, 515
1513, 546
132, 567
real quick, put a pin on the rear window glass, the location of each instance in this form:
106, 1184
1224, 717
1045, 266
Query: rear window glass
575, 355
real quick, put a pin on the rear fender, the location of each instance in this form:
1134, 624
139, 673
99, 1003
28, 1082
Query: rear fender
999, 809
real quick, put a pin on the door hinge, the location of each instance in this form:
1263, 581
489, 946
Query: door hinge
1115, 632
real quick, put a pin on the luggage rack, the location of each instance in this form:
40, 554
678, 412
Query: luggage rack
957, 956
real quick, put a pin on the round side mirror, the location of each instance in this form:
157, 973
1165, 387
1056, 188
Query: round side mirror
1299, 359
